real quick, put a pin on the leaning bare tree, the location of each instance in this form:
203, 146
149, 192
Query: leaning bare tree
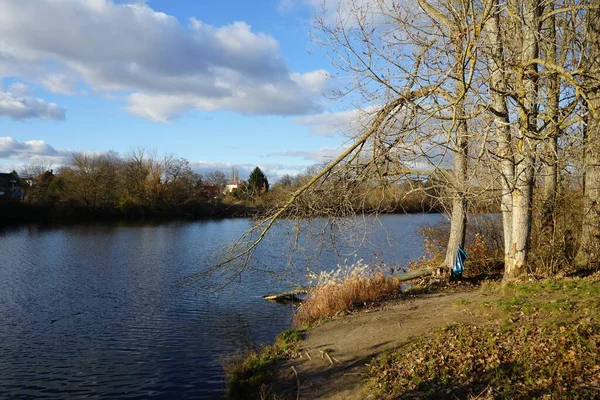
412, 68
484, 85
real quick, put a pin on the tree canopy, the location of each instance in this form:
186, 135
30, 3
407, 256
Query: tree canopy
258, 182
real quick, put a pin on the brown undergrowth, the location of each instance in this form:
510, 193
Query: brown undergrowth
343, 290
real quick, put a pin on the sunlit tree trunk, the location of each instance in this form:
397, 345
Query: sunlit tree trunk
550, 158
501, 123
458, 220
527, 143
458, 130
588, 254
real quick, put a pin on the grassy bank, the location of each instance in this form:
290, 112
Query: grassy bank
541, 341
249, 374
538, 339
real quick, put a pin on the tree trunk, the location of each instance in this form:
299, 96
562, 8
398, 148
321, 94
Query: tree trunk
552, 132
526, 149
458, 225
589, 250
521, 219
501, 123
458, 220
458, 186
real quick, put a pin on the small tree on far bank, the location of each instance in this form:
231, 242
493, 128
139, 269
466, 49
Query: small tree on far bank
258, 182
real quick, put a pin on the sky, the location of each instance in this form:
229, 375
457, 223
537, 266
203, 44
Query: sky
220, 83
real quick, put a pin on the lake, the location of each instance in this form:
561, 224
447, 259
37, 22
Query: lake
108, 310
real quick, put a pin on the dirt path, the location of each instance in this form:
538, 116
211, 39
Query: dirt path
353, 340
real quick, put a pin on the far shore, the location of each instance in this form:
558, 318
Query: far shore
16, 213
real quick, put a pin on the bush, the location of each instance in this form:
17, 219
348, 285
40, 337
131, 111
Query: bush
553, 247
343, 290
484, 245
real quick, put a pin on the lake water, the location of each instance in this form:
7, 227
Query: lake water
106, 310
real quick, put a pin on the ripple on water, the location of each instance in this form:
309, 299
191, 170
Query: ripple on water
100, 311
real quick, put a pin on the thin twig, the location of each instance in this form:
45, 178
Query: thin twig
297, 383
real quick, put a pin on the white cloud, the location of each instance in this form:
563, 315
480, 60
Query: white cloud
273, 171
31, 151
164, 67
331, 10
19, 107
60, 83
322, 155
20, 89
314, 82
286, 6
329, 123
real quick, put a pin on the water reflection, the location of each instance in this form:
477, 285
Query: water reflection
100, 309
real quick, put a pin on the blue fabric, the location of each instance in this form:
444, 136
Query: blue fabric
459, 261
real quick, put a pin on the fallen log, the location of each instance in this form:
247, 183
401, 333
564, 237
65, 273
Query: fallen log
414, 274
284, 297
292, 295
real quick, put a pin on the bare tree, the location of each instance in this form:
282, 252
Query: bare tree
589, 250
488, 86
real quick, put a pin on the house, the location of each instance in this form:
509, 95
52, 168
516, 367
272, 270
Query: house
10, 188
231, 186
234, 181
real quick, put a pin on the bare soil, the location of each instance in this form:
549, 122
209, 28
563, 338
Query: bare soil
334, 356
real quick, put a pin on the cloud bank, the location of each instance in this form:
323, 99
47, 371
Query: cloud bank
322, 155
160, 66
16, 103
31, 151
16, 155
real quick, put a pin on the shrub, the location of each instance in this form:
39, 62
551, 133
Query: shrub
484, 245
343, 290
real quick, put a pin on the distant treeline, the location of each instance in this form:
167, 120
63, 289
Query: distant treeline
138, 185
141, 185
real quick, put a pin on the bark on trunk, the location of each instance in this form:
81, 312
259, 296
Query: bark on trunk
552, 133
521, 220
589, 250
458, 220
526, 148
501, 124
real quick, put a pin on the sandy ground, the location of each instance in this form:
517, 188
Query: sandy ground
353, 340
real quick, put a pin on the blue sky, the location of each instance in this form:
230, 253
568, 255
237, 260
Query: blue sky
223, 83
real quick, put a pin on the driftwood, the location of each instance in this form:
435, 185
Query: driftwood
284, 297
414, 274
292, 295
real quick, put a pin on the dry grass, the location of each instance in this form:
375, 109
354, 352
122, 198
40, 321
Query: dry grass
343, 290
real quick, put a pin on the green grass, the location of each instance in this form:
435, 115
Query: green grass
248, 374
462, 302
543, 344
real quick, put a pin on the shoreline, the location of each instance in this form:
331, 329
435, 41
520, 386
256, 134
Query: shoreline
21, 213
362, 354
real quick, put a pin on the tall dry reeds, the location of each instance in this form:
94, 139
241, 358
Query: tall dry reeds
343, 290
